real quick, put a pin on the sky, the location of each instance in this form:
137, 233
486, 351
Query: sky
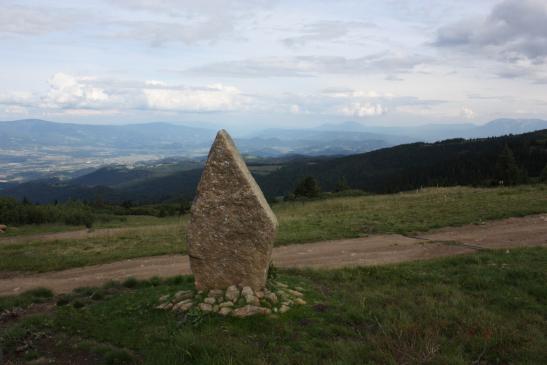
267, 63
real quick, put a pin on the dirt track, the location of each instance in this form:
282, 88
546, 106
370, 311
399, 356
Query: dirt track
373, 250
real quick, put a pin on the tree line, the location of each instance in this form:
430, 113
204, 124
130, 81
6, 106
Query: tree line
79, 213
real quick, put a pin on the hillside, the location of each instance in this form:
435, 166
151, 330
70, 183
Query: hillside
404, 167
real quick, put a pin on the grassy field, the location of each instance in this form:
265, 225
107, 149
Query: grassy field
486, 308
333, 218
125, 221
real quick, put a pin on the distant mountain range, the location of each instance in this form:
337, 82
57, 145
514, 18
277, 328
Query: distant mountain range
437, 132
36, 149
403, 167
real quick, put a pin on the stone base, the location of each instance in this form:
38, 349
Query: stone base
235, 301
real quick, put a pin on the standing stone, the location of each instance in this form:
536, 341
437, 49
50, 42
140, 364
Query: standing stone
232, 228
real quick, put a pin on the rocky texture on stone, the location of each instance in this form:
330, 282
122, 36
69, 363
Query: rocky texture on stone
232, 228
235, 301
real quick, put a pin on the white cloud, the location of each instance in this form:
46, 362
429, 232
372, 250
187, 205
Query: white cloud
295, 109
88, 95
23, 20
362, 109
326, 30
387, 63
16, 98
16, 109
67, 91
212, 98
467, 113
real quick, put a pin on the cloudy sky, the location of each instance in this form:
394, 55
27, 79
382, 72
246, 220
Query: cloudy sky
259, 63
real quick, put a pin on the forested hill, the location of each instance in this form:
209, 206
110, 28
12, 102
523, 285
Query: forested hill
404, 167
409, 166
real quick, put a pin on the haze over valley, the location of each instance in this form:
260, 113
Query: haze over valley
37, 149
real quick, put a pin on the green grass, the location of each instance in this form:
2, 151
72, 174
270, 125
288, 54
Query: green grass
404, 212
62, 254
333, 218
127, 221
37, 295
30, 229
487, 308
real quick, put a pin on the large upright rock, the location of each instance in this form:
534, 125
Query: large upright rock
232, 228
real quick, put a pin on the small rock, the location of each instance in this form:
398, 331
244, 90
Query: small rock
299, 288
209, 300
185, 307
205, 307
216, 293
249, 310
215, 308
164, 298
41, 361
232, 293
271, 297
21, 348
183, 294
295, 293
284, 308
251, 299
300, 301
182, 304
226, 304
247, 290
281, 285
259, 294
224, 311
168, 306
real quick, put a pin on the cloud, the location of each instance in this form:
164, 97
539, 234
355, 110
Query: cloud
339, 101
178, 7
21, 98
389, 63
90, 95
365, 109
514, 30
186, 21
467, 113
23, 20
212, 98
157, 34
16, 109
326, 31
67, 91
154, 22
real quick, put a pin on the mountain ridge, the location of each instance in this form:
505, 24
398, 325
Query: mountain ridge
403, 167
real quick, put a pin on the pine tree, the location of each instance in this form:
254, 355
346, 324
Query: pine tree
307, 187
543, 175
507, 170
341, 185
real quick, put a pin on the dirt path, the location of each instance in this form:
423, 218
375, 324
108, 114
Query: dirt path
373, 250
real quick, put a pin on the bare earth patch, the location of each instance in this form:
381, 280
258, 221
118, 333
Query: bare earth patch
372, 250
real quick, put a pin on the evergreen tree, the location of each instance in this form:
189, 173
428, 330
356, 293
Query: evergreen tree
307, 187
543, 176
507, 170
341, 185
